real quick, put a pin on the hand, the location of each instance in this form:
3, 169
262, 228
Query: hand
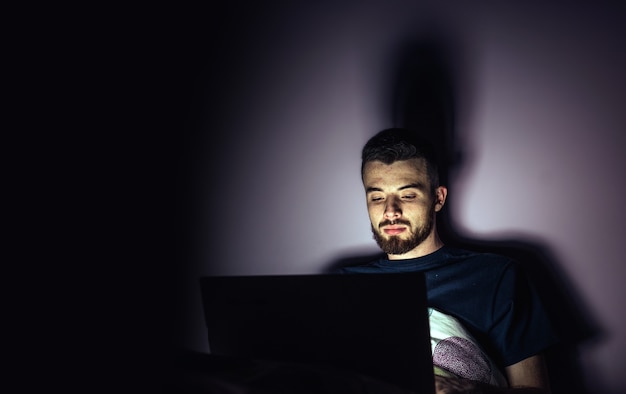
445, 385
454, 385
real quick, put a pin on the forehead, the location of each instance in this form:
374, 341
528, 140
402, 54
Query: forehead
398, 173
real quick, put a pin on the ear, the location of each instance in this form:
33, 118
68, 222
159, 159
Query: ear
440, 197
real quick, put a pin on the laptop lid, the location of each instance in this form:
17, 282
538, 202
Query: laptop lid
374, 324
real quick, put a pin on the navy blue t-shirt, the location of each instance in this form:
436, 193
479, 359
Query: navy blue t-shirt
488, 293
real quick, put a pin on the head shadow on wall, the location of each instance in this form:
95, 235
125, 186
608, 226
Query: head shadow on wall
423, 98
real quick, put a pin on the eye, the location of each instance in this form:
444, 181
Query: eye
409, 197
376, 198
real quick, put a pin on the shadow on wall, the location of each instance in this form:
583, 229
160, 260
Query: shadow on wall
423, 98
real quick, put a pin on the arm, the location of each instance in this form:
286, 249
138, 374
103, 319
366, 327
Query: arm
527, 376
530, 372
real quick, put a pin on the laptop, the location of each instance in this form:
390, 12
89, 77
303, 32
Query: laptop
374, 324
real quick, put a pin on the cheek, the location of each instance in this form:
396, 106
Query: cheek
416, 213
374, 212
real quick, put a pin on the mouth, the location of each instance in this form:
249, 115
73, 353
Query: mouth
394, 229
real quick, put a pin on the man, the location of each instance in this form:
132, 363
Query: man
485, 317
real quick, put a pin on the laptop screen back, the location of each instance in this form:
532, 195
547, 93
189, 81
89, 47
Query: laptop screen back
375, 325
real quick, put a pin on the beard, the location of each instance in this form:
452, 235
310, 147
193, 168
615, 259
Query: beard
396, 245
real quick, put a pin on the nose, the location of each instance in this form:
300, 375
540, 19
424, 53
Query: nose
392, 209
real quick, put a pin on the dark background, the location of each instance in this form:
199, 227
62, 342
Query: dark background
158, 145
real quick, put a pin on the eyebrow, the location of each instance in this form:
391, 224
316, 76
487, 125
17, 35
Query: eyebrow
419, 186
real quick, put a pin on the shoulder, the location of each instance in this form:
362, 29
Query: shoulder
464, 262
456, 254
367, 268
445, 259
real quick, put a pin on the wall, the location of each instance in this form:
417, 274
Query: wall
287, 96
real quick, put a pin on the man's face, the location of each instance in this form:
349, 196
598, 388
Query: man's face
401, 204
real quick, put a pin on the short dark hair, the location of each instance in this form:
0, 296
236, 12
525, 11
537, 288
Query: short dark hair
396, 144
